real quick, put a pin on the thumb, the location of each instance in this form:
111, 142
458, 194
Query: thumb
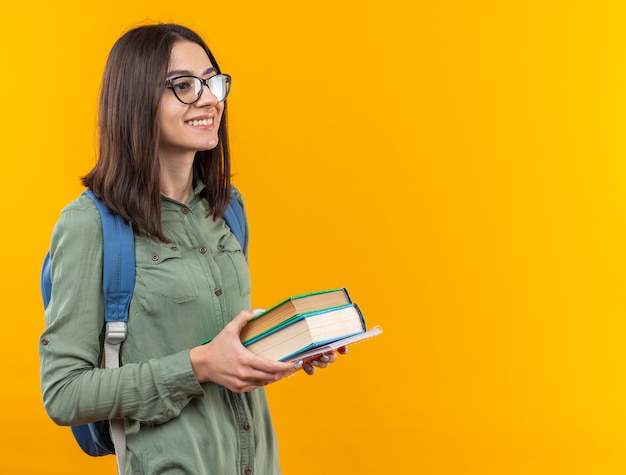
241, 320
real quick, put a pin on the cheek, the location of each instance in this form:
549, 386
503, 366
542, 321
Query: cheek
220, 111
167, 112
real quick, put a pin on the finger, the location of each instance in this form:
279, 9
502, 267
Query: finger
269, 370
309, 369
319, 364
241, 320
322, 361
342, 350
242, 385
271, 366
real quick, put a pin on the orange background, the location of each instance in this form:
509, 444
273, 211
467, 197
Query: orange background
458, 166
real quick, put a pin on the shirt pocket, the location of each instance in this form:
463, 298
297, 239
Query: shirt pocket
229, 247
164, 272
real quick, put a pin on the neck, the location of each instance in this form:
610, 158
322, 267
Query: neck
177, 179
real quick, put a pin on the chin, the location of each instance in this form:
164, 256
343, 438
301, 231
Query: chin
212, 146
207, 146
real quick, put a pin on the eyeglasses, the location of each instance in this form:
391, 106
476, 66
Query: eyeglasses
188, 89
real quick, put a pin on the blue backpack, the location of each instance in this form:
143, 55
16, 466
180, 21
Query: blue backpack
118, 285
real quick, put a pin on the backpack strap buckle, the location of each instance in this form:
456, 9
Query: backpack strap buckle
115, 332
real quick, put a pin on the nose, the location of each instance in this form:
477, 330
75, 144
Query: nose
206, 96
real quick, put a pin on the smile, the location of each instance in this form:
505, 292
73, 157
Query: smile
196, 123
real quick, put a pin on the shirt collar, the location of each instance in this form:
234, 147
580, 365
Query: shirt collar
195, 196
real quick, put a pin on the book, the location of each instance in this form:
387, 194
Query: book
308, 330
318, 350
291, 308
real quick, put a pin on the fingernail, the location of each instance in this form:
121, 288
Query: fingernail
324, 358
298, 365
308, 367
315, 363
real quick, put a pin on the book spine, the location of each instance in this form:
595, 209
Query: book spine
358, 310
347, 295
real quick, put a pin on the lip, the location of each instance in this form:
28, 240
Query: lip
200, 118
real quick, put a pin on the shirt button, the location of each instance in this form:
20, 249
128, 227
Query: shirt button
44, 342
174, 248
247, 471
185, 210
155, 257
218, 292
221, 247
203, 250
246, 426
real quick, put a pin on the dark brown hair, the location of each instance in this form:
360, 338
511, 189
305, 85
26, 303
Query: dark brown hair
126, 174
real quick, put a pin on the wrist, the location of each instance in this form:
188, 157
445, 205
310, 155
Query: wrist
198, 364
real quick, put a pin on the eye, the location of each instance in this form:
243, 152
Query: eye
182, 84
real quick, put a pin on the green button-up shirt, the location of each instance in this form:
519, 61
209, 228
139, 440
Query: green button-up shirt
186, 291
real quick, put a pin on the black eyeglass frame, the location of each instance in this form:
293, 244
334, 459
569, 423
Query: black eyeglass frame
203, 82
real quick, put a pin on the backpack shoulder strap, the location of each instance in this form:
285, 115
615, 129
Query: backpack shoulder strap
118, 264
118, 275
118, 272
235, 220
46, 280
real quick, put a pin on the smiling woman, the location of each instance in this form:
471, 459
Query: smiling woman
185, 407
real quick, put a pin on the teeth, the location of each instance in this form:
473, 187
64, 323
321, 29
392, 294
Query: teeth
195, 123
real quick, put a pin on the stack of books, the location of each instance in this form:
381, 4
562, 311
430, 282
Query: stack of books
306, 325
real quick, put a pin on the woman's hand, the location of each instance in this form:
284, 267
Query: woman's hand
225, 361
322, 361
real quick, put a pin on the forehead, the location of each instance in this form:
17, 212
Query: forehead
188, 56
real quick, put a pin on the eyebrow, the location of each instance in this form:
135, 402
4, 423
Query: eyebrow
185, 72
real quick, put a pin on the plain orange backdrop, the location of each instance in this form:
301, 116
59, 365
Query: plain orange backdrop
458, 166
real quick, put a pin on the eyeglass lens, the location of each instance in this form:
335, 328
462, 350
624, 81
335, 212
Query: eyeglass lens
188, 89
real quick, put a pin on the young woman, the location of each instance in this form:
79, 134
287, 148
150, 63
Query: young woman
164, 166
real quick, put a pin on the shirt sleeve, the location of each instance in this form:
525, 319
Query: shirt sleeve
75, 389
